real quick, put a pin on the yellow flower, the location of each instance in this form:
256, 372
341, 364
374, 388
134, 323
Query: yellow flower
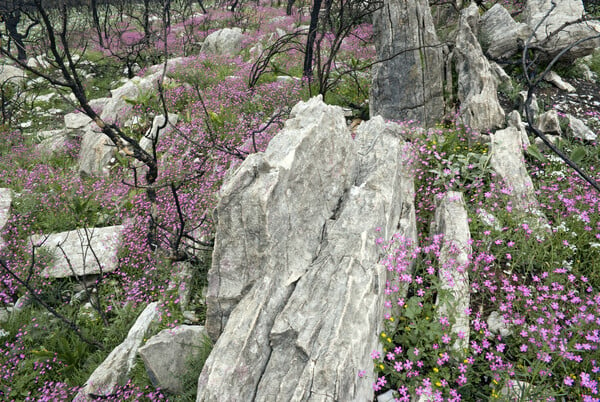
383, 335
435, 369
439, 384
381, 366
389, 340
495, 382
392, 319
465, 361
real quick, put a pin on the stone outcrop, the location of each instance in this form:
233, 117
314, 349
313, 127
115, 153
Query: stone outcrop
5, 202
166, 355
296, 263
579, 130
90, 251
96, 154
11, 74
477, 86
113, 371
557, 28
226, 41
407, 85
507, 160
558, 82
548, 123
499, 34
452, 222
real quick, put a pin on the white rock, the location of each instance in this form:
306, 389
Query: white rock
114, 369
558, 82
82, 247
578, 129
226, 41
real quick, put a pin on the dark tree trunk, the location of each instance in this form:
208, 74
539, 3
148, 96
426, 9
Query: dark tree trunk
11, 20
310, 41
288, 8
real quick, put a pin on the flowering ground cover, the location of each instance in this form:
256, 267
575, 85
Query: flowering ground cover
542, 285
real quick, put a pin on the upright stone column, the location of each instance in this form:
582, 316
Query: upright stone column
407, 85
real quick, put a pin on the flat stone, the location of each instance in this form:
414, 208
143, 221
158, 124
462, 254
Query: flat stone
89, 251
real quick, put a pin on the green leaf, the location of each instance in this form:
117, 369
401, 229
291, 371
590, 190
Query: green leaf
578, 154
533, 151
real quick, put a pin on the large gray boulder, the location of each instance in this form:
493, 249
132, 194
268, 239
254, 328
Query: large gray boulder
280, 217
118, 108
113, 371
312, 202
499, 34
88, 251
556, 28
407, 85
477, 85
166, 355
226, 41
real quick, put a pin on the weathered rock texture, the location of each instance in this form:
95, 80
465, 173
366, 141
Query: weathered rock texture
114, 369
499, 34
452, 221
477, 86
90, 251
408, 84
166, 355
296, 262
5, 202
551, 33
226, 41
507, 161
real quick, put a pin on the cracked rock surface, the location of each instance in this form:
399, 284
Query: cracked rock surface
295, 266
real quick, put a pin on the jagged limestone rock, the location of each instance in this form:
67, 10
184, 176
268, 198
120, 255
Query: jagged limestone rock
579, 130
114, 369
477, 86
452, 221
5, 203
166, 355
500, 35
308, 321
507, 160
557, 28
407, 85
548, 123
279, 218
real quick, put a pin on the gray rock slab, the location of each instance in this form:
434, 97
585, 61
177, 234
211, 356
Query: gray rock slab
5, 203
75, 121
166, 355
552, 36
114, 369
308, 321
452, 221
407, 85
274, 206
500, 34
95, 154
548, 122
507, 160
89, 251
477, 85
578, 129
